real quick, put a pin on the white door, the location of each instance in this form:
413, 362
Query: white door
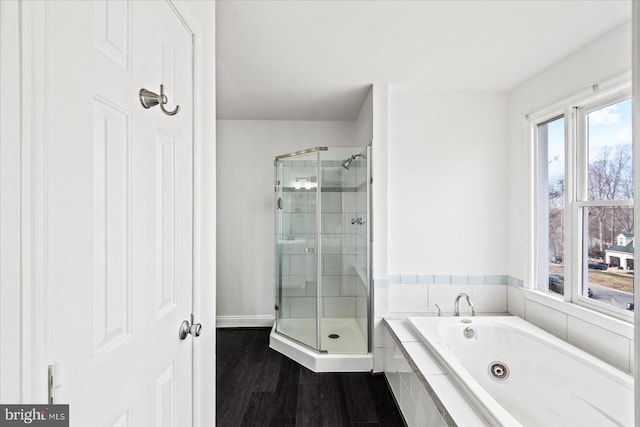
119, 212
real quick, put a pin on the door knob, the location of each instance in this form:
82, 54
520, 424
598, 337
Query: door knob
188, 327
195, 329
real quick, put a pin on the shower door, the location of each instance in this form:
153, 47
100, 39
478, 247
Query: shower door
297, 257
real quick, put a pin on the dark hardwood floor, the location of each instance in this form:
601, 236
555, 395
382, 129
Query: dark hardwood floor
257, 386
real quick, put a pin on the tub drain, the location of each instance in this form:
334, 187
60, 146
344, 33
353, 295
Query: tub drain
334, 336
499, 371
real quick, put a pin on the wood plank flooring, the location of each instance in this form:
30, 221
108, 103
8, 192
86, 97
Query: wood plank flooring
257, 386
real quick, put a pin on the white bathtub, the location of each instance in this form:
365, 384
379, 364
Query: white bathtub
548, 381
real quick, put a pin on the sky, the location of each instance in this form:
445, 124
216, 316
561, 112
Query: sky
556, 150
608, 126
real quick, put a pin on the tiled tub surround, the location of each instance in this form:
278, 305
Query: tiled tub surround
586, 391
398, 296
602, 336
424, 392
421, 294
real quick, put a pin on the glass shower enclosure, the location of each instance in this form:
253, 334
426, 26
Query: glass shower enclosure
322, 200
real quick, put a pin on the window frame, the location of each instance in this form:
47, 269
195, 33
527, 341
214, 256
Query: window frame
574, 111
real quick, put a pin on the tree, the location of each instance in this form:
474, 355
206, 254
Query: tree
610, 178
556, 218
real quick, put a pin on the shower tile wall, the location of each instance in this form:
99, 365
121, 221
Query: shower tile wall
340, 242
343, 268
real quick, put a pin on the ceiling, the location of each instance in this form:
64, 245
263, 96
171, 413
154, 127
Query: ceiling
314, 60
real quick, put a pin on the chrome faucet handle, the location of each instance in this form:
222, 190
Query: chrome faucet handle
439, 311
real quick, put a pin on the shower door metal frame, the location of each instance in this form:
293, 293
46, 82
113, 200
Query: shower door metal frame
319, 253
370, 315
301, 152
278, 252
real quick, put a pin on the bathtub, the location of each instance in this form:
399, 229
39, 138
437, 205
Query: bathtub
515, 374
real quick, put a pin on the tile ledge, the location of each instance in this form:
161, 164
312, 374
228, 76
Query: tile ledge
604, 321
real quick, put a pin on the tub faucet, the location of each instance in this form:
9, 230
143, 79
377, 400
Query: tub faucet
456, 310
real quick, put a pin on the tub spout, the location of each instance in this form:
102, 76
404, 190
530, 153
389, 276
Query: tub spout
456, 310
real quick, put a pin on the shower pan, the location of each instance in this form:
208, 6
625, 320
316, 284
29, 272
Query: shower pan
322, 257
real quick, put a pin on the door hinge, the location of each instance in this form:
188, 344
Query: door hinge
277, 307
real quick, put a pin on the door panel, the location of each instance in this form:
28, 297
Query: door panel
111, 224
119, 212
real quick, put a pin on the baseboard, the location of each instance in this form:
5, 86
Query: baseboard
244, 321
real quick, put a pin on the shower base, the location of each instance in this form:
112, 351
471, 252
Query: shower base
350, 339
348, 353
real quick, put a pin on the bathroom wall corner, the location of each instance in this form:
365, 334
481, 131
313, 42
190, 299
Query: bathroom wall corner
515, 301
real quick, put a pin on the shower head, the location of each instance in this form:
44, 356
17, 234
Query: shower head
347, 163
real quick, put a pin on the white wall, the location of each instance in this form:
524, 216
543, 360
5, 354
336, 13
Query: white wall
379, 205
364, 122
440, 206
447, 183
246, 151
441, 211
380, 171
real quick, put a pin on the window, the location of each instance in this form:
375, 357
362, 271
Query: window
551, 212
584, 204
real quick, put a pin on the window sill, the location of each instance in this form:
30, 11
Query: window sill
618, 326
